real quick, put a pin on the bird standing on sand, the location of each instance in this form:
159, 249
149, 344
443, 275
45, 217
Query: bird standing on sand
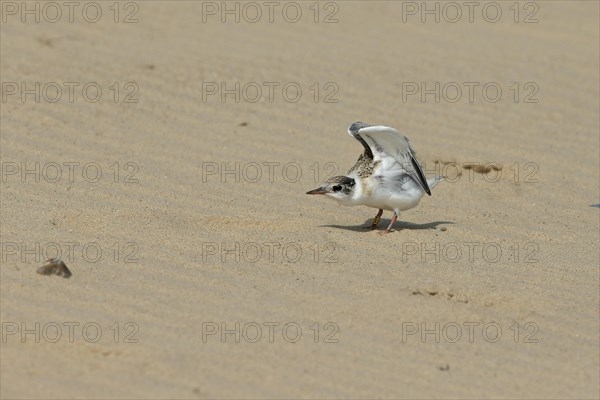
386, 176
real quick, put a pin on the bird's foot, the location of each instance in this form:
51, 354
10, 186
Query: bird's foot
392, 222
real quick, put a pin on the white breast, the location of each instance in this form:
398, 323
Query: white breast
395, 191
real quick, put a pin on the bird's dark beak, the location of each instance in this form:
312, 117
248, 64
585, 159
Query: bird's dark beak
317, 191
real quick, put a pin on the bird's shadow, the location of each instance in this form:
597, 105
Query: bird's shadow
399, 225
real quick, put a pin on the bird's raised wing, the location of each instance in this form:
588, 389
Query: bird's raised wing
383, 143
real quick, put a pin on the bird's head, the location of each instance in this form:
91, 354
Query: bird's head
340, 188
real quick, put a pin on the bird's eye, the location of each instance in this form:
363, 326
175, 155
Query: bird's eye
337, 188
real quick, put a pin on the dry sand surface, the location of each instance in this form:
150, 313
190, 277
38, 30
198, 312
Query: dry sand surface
488, 289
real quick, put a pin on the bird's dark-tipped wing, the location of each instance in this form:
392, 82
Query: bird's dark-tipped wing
388, 145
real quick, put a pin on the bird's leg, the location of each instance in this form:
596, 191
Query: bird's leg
376, 219
392, 222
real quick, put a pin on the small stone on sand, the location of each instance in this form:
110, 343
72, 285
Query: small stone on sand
54, 266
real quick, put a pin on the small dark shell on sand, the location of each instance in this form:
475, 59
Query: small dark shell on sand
54, 266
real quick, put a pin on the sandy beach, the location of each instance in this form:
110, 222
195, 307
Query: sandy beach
163, 151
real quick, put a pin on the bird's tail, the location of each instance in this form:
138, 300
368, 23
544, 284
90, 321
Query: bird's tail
434, 181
